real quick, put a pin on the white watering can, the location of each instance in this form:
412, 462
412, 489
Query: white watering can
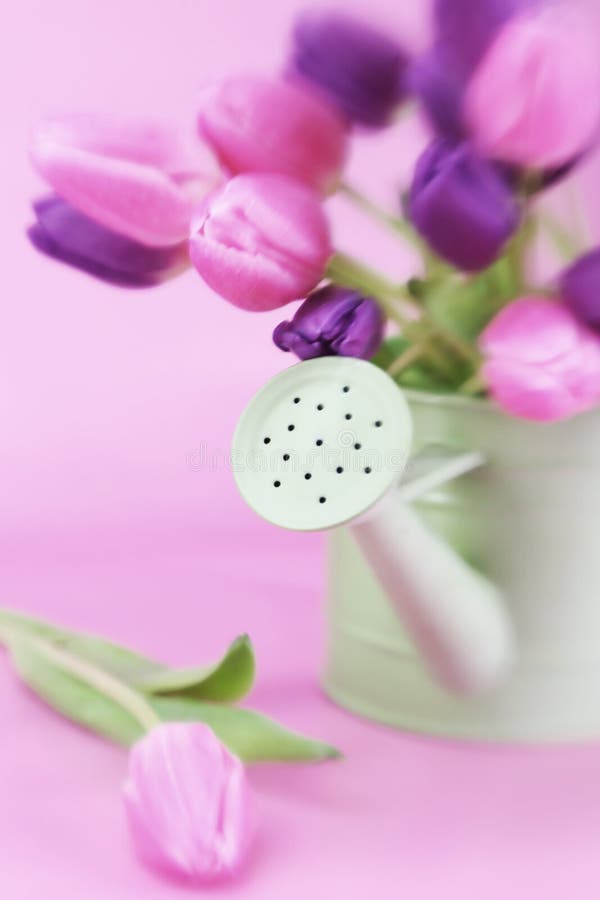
327, 443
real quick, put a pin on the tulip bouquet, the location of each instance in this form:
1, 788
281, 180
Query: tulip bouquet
242, 201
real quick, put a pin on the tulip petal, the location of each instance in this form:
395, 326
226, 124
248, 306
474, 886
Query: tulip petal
65, 234
138, 180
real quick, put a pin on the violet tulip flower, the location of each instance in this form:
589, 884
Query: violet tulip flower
333, 321
462, 205
188, 803
580, 288
534, 98
257, 124
262, 241
463, 31
540, 362
358, 68
65, 234
138, 179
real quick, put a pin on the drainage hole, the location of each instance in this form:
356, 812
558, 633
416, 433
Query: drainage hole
357, 446
320, 406
319, 442
322, 499
267, 440
276, 484
368, 470
308, 476
339, 470
291, 427
286, 457
378, 423
296, 399
345, 388
348, 416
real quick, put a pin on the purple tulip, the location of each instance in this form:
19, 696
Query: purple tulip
67, 235
580, 288
333, 321
461, 204
360, 69
463, 30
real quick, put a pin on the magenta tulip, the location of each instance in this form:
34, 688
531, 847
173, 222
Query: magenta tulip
257, 124
188, 803
138, 179
261, 241
540, 362
534, 99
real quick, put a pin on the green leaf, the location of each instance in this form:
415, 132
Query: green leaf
228, 680
252, 736
73, 697
118, 660
90, 697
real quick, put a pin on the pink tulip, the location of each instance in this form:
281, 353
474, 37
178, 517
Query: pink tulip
261, 241
534, 99
541, 363
188, 803
138, 179
259, 124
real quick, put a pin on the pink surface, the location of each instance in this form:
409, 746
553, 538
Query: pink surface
118, 515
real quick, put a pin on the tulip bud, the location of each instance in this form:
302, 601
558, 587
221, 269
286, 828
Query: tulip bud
533, 98
262, 241
333, 321
138, 179
541, 364
359, 69
257, 124
580, 288
461, 205
187, 802
63, 233
463, 31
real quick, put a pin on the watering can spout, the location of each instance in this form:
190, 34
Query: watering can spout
457, 618
315, 479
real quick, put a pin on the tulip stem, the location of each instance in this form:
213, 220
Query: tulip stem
344, 270
407, 358
473, 386
395, 223
83, 670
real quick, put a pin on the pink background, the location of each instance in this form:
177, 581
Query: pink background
107, 523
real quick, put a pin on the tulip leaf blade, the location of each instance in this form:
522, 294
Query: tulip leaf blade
72, 697
225, 681
249, 734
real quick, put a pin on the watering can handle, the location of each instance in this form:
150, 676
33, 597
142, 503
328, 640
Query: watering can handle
456, 617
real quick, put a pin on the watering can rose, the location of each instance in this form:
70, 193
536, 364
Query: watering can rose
257, 124
540, 362
188, 802
262, 241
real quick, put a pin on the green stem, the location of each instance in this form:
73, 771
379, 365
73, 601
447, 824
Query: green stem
473, 386
95, 677
394, 223
407, 358
342, 269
